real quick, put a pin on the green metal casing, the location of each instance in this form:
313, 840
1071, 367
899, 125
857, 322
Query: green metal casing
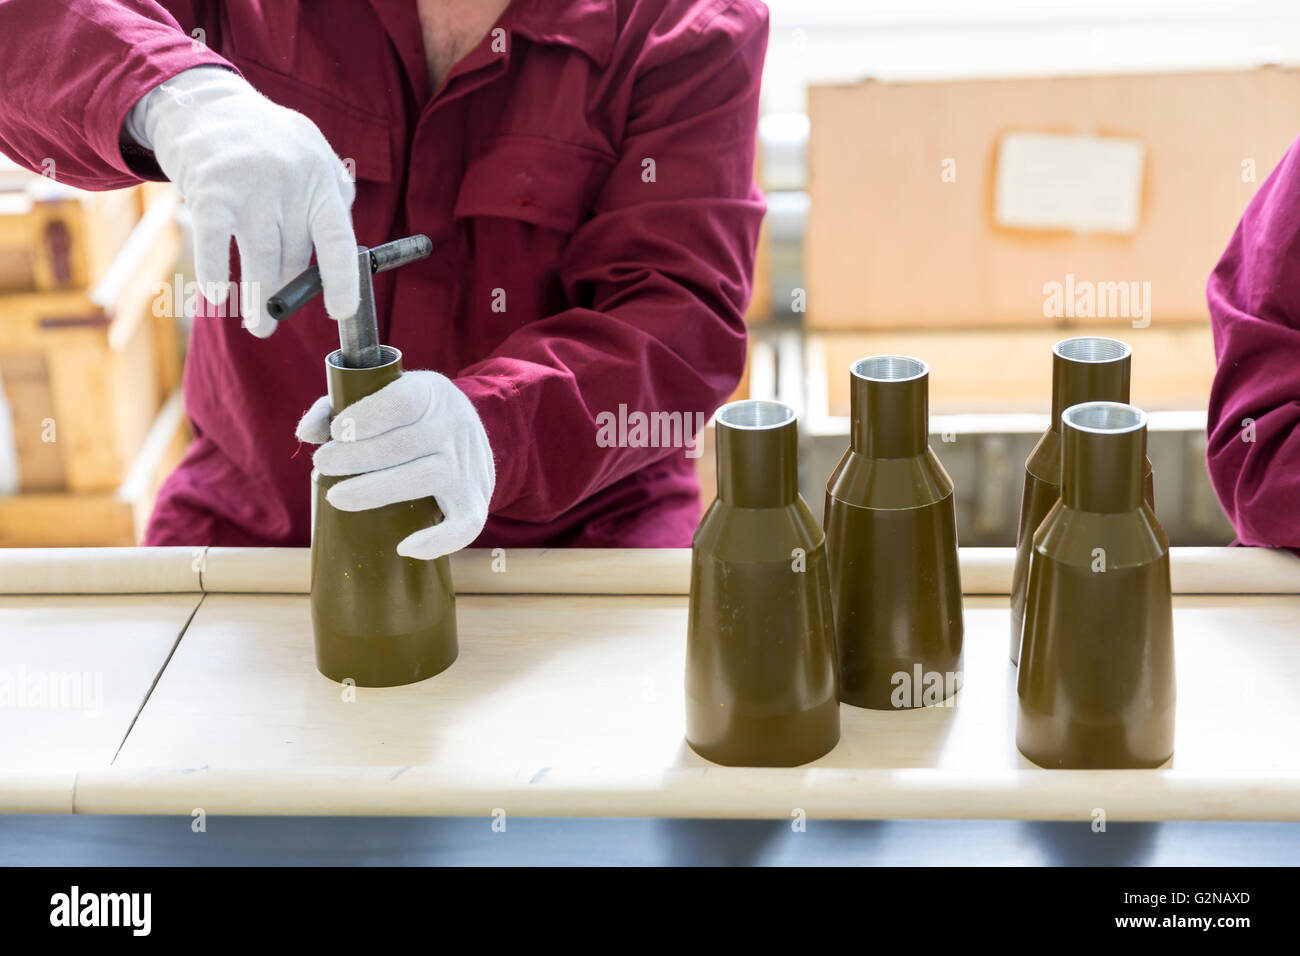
891, 537
1084, 369
760, 651
379, 619
1096, 682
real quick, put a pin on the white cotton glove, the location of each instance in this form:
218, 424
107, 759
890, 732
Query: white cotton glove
418, 437
261, 173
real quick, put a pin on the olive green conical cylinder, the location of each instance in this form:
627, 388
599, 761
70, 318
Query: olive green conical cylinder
760, 650
891, 538
379, 619
1088, 368
1096, 681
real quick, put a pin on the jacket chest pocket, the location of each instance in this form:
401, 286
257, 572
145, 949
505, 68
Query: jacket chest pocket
528, 179
362, 141
519, 203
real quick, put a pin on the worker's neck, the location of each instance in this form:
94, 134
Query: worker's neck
452, 28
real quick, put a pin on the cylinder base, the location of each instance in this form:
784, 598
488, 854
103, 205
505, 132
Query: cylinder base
760, 651
1096, 687
782, 740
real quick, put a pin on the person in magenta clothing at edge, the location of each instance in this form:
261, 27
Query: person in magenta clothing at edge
1254, 418
583, 168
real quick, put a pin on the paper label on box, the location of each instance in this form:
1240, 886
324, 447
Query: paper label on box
1080, 183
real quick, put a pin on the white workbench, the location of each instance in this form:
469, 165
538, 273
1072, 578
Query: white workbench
567, 700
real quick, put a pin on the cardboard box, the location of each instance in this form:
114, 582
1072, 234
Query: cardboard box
918, 221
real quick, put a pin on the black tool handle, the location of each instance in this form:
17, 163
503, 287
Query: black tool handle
301, 289
306, 285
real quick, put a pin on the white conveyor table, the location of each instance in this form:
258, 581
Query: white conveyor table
567, 700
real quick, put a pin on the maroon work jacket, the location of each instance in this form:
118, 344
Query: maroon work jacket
585, 174
1254, 417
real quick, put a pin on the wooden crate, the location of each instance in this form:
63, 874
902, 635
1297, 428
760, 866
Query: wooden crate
112, 518
86, 370
66, 521
1010, 370
26, 381
56, 237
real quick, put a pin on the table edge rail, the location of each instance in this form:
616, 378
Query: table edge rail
649, 571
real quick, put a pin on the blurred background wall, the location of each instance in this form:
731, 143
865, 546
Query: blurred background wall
881, 150
886, 151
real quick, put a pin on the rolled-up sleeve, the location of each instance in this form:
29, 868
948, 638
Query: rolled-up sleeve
659, 277
73, 68
1254, 415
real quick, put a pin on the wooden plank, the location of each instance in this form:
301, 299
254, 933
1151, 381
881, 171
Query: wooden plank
83, 387
108, 220
158, 462
65, 521
35, 322
72, 520
169, 350
134, 398
15, 262
573, 705
129, 290
31, 401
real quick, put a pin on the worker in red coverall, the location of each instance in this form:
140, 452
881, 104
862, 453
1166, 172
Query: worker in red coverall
1254, 419
584, 169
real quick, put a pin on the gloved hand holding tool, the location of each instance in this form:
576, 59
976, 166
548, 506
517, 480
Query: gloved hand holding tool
416, 437
408, 473
266, 175
259, 172
405, 472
